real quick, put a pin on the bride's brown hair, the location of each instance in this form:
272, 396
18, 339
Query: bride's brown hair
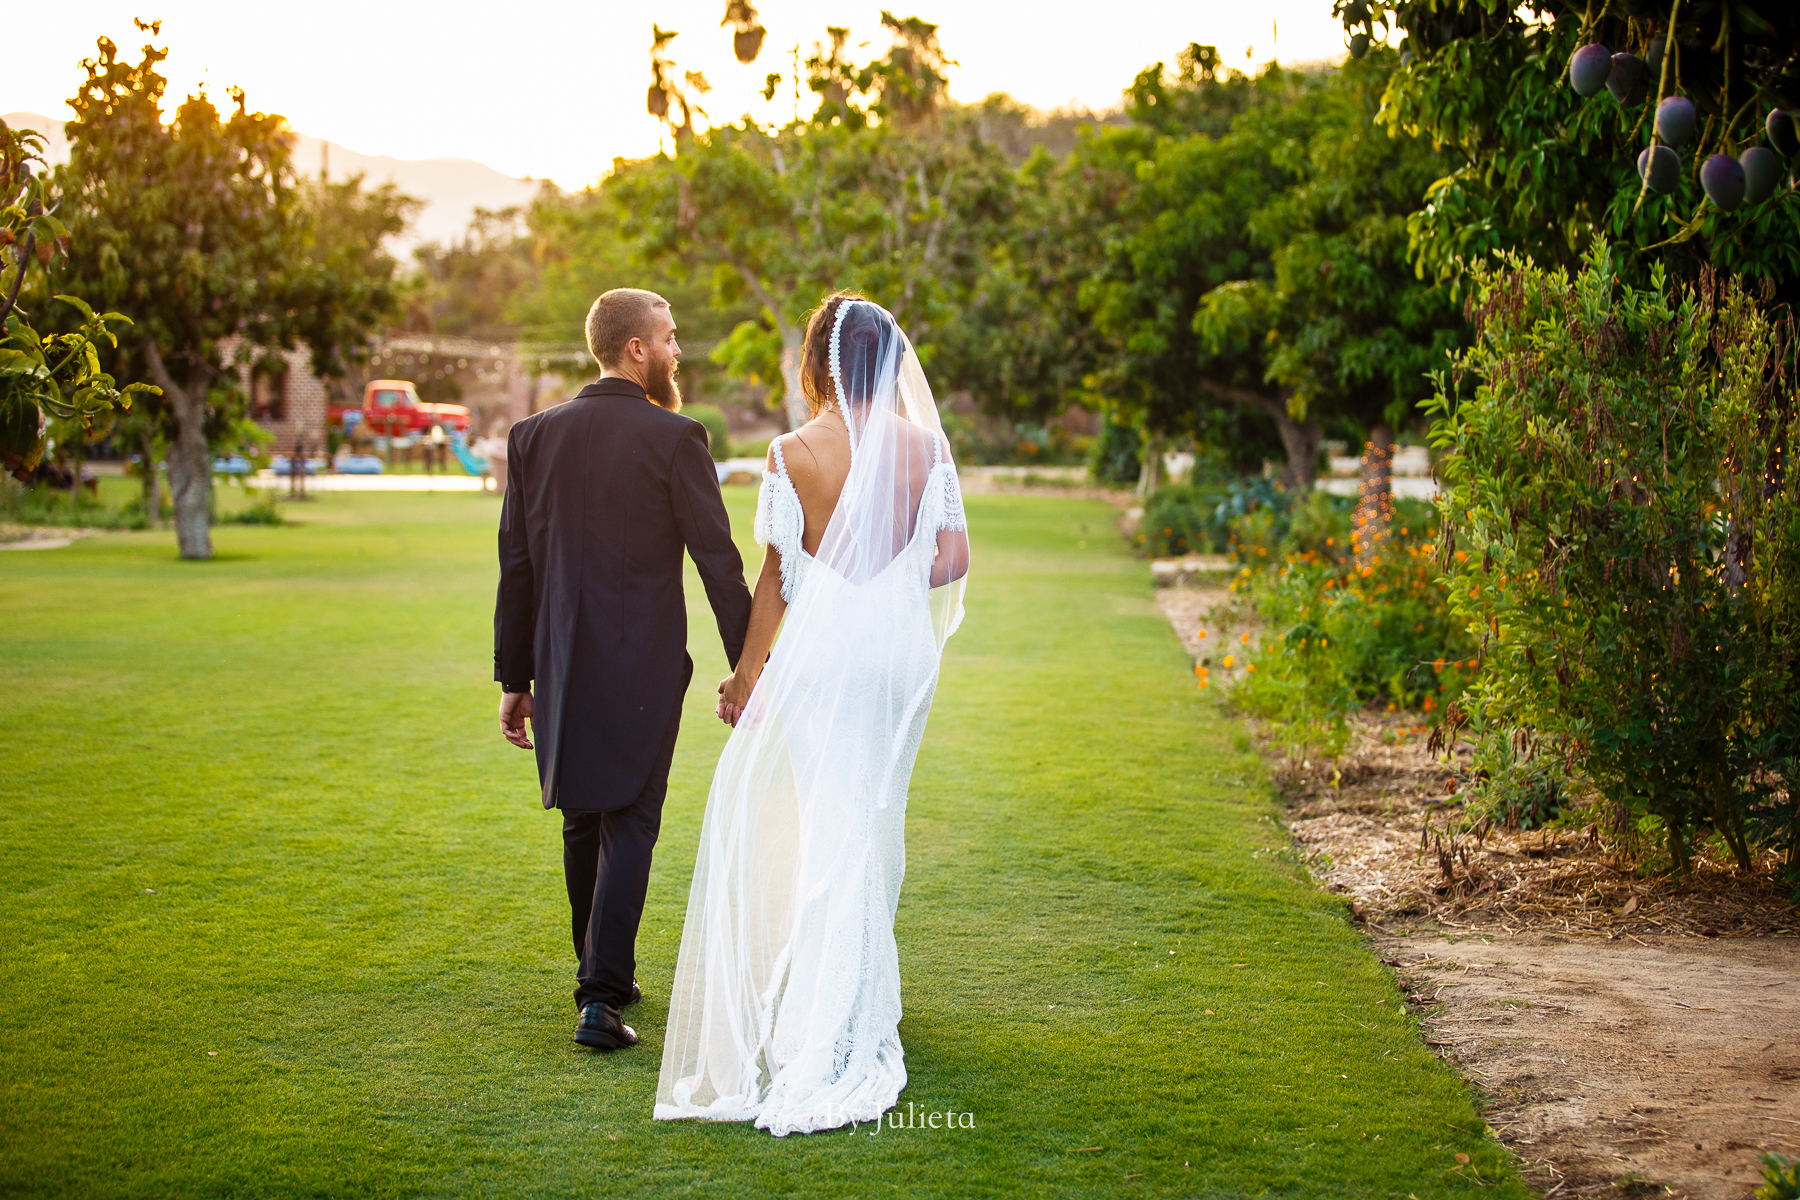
815, 352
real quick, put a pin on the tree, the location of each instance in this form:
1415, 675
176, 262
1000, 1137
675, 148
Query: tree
464, 288
578, 248
1340, 323
879, 190
1546, 171
198, 227
1264, 268
44, 376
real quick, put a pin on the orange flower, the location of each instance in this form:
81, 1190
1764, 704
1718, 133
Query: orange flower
1229, 659
1203, 633
1245, 639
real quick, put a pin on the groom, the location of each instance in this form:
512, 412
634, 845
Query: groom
602, 494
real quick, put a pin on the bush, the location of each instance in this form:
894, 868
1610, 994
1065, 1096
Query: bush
42, 505
1183, 519
261, 510
1781, 1178
1019, 444
1629, 537
1118, 453
718, 432
1517, 791
1343, 636
1203, 517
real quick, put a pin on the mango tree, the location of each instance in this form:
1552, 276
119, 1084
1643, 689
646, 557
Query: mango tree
44, 376
1665, 126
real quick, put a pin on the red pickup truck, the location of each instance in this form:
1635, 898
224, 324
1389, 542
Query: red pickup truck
392, 408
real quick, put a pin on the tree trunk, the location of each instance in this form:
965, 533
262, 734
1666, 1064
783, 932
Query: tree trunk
794, 402
152, 492
1299, 440
77, 458
1678, 850
793, 340
1375, 500
1149, 466
1728, 829
190, 460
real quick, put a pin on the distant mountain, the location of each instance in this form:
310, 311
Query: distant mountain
453, 188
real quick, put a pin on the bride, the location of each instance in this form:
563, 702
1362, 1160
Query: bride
786, 1002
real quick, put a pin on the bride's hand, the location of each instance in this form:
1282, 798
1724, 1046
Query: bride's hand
734, 694
736, 689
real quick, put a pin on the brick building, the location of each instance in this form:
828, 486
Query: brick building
289, 403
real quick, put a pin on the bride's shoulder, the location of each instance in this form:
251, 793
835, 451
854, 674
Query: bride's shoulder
928, 444
780, 457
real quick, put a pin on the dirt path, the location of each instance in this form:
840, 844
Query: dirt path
1672, 1062
1629, 1034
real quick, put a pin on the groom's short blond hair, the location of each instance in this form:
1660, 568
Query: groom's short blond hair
616, 318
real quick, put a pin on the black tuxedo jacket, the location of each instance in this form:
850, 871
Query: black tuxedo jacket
602, 494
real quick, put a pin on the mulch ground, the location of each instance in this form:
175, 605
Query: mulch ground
1385, 826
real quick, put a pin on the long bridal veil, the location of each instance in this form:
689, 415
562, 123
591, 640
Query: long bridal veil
787, 993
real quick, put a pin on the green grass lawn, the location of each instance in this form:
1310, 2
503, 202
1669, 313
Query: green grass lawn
280, 914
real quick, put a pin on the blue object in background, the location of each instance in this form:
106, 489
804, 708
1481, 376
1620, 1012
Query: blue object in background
358, 464
473, 463
237, 464
281, 466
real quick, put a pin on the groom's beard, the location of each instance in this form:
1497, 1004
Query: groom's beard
663, 390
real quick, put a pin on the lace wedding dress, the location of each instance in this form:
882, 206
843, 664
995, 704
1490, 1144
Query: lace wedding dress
786, 1002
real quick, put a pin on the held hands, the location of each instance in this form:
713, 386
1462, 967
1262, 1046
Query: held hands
515, 710
734, 694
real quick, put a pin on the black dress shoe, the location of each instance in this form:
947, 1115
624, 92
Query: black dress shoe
601, 1029
637, 994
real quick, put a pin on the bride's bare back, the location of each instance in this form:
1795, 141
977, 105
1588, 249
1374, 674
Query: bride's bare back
817, 456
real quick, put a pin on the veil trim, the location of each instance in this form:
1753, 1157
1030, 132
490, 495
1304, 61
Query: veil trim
837, 372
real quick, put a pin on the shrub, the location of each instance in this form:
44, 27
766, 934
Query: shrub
1181, 519
1341, 635
718, 432
1518, 789
1021, 443
1208, 516
1118, 454
1622, 535
1781, 1179
42, 505
261, 510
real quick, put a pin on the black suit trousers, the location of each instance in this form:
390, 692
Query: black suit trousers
606, 865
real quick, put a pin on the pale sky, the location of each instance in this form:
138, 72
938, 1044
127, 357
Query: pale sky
554, 89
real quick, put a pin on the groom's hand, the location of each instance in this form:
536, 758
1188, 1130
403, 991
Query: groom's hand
515, 710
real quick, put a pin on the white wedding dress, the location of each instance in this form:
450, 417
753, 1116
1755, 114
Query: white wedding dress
786, 1002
